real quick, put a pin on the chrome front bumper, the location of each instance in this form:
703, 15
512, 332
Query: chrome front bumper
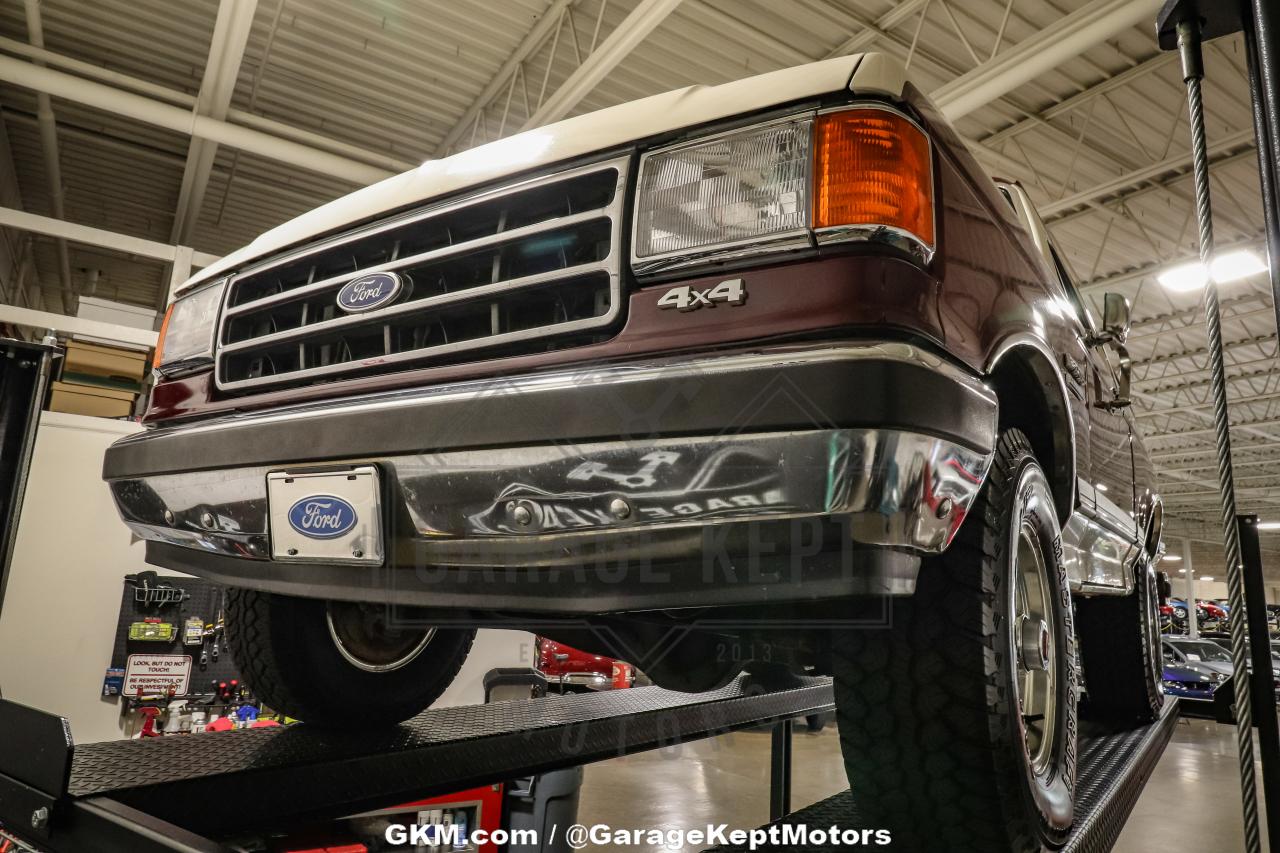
733, 494
555, 505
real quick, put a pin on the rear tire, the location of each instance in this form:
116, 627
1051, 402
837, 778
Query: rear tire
336, 663
1120, 652
937, 743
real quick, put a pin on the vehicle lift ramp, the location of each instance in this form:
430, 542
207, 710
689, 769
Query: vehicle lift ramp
201, 792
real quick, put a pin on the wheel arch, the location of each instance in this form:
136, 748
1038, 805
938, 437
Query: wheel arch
1032, 397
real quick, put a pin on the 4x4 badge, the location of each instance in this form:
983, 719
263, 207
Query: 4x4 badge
731, 292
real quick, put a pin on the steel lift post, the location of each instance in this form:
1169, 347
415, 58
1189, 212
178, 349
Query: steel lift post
24, 376
1183, 25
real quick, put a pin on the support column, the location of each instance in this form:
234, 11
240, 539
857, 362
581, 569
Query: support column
1193, 629
179, 272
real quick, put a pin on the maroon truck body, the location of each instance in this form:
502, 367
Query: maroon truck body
745, 452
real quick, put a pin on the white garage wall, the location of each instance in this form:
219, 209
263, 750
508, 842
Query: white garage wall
492, 649
59, 615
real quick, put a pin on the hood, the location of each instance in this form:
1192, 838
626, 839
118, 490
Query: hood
1223, 667
869, 74
1185, 672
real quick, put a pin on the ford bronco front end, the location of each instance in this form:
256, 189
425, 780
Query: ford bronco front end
765, 362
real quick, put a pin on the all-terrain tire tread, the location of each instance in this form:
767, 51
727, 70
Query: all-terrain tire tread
271, 655
936, 726
1119, 670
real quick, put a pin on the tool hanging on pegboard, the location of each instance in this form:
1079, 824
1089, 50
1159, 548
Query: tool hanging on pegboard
151, 592
168, 626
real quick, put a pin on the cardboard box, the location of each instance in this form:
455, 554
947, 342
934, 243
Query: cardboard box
98, 360
91, 400
102, 381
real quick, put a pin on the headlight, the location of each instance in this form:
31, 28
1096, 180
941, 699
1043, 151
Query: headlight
862, 173
737, 188
186, 337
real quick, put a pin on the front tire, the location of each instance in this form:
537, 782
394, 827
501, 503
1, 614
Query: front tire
339, 663
1120, 650
958, 721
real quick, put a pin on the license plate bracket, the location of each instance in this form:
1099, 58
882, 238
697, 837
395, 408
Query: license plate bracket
326, 515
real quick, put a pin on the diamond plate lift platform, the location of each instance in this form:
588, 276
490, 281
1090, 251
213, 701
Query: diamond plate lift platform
1112, 769
192, 793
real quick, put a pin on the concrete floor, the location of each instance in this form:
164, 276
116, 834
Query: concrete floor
1194, 793
720, 780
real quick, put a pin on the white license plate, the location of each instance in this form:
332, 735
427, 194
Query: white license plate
326, 516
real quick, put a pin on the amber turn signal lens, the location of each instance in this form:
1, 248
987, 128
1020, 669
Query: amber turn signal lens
872, 167
158, 358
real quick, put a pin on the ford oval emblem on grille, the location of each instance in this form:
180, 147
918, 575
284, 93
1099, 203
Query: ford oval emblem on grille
369, 291
322, 517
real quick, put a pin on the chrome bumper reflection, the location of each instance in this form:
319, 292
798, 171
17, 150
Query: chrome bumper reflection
590, 680
559, 504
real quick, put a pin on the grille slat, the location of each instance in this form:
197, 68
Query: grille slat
343, 321
336, 282
534, 264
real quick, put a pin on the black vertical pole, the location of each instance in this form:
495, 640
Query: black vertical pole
1263, 681
1188, 31
24, 374
1260, 23
780, 771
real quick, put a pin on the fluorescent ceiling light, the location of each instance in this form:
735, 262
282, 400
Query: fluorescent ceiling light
1184, 278
1182, 571
1172, 558
1206, 578
1226, 267
1232, 266
1101, 487
1269, 525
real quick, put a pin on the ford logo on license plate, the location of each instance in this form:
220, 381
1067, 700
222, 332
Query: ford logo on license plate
369, 291
322, 517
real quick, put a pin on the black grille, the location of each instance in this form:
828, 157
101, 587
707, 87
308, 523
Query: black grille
531, 266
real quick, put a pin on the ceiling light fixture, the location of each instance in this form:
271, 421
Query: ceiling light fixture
1227, 267
1206, 578
1235, 265
1269, 525
1184, 278
1172, 558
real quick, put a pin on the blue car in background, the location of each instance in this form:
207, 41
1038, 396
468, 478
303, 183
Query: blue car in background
1189, 683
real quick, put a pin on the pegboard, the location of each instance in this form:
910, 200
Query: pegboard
204, 599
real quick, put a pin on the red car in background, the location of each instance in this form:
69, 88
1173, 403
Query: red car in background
570, 670
1211, 610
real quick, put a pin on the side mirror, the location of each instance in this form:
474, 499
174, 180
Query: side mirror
1115, 317
1126, 375
1124, 378
1115, 329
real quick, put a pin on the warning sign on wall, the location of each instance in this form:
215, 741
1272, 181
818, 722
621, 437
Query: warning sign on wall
155, 674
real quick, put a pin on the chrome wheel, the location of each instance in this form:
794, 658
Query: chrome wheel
1152, 623
1034, 644
367, 640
